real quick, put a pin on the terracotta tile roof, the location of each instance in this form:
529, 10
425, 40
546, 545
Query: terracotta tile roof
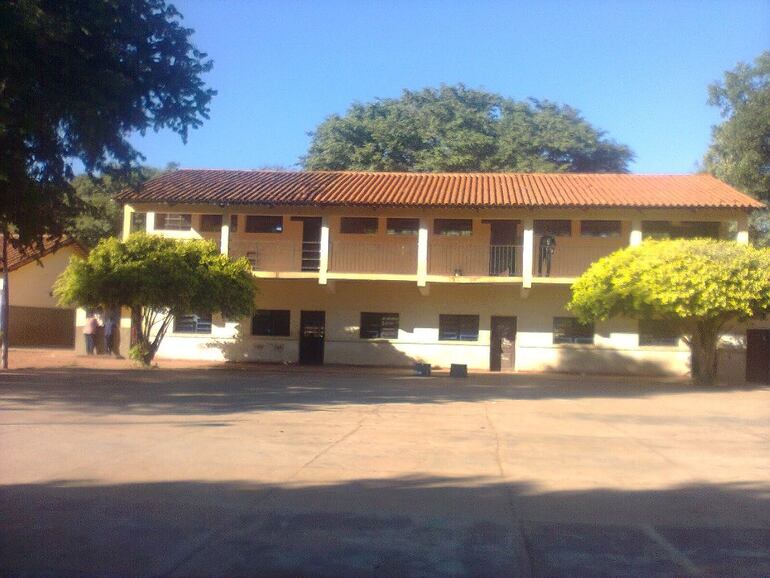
474, 190
17, 259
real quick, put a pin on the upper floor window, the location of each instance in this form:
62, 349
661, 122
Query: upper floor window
602, 229
138, 222
173, 221
192, 323
379, 325
657, 332
233, 223
453, 227
570, 330
273, 322
264, 224
358, 225
680, 229
553, 227
458, 327
403, 226
211, 223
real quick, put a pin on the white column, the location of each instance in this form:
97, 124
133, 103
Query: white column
422, 253
128, 212
742, 233
323, 267
635, 237
150, 220
528, 251
224, 237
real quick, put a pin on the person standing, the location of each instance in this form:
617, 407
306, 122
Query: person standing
109, 329
89, 331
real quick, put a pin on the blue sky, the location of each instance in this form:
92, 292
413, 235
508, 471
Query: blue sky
638, 70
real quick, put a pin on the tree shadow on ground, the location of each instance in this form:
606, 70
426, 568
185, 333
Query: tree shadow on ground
237, 389
401, 526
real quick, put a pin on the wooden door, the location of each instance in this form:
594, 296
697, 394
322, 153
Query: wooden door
311, 337
502, 349
758, 355
311, 243
502, 250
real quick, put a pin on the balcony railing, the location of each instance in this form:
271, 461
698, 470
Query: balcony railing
474, 260
569, 260
269, 255
373, 257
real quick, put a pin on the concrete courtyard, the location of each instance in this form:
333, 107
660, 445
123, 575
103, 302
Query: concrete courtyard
271, 471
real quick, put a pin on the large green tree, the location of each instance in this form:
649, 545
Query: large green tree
454, 128
739, 153
740, 149
157, 278
77, 79
697, 287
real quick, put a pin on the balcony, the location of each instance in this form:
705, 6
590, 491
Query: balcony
374, 258
475, 260
277, 257
570, 260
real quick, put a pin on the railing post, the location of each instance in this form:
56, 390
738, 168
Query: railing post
422, 253
323, 262
224, 237
635, 237
150, 222
128, 213
742, 233
528, 250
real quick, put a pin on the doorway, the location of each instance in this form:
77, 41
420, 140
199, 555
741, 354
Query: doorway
502, 249
502, 347
311, 243
312, 328
758, 355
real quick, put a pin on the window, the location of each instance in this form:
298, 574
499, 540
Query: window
192, 324
173, 221
138, 222
358, 225
211, 223
569, 330
680, 229
458, 327
379, 325
453, 227
233, 223
600, 229
553, 227
271, 322
264, 224
403, 226
657, 332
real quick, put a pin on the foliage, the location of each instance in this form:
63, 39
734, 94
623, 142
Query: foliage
697, 286
157, 278
77, 78
453, 128
740, 150
101, 216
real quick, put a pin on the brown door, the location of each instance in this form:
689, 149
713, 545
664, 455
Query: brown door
502, 349
758, 355
311, 337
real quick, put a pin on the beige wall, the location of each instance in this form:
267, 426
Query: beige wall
31, 285
615, 349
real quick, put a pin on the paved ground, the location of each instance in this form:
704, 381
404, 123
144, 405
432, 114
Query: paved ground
290, 472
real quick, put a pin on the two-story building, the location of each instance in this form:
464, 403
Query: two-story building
398, 268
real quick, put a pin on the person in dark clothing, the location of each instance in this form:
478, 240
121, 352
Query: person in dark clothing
545, 255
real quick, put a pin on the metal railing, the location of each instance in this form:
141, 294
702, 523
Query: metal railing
373, 257
464, 259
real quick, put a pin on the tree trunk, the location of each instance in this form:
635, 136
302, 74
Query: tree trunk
5, 302
703, 354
